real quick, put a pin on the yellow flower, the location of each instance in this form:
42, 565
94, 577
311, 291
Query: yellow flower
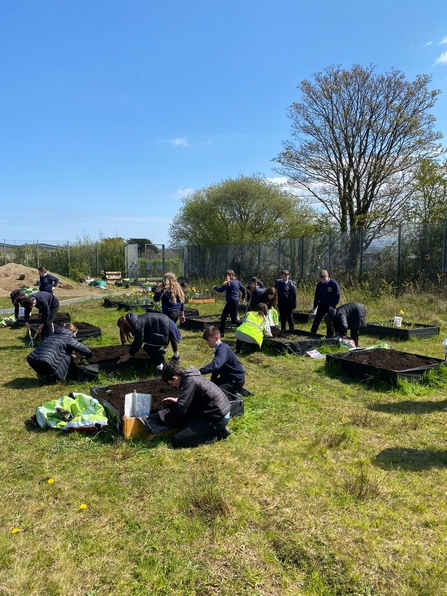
50, 480
15, 530
83, 506
401, 312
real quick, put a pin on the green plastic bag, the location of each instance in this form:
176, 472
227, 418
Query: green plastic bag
75, 412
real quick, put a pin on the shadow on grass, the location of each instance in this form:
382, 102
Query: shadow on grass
412, 460
23, 383
9, 348
410, 407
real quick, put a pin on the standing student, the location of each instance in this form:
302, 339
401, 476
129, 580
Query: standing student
286, 300
202, 409
17, 298
48, 305
52, 358
47, 282
351, 315
254, 285
226, 370
170, 293
154, 330
253, 328
327, 295
231, 287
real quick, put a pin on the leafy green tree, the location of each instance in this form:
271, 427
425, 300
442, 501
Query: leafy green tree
429, 200
357, 137
241, 210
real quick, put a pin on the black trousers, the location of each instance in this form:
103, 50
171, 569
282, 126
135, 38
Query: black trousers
321, 311
230, 309
48, 327
230, 386
286, 316
154, 353
43, 370
197, 431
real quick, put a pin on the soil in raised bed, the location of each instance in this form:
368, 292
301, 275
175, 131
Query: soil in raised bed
278, 334
388, 359
115, 394
113, 353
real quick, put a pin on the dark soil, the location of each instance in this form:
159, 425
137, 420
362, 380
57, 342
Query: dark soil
115, 394
278, 334
404, 325
113, 353
389, 359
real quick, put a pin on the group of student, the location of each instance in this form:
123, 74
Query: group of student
202, 408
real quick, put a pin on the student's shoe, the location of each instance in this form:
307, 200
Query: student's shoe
43, 378
159, 373
163, 350
176, 357
224, 434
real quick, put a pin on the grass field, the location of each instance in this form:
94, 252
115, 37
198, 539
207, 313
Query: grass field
327, 485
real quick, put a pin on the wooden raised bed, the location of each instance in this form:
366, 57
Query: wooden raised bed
405, 332
389, 365
298, 342
112, 398
189, 312
200, 300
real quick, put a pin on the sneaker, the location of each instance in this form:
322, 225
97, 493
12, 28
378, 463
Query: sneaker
163, 350
176, 357
224, 434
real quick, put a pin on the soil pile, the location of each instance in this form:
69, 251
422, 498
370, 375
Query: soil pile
389, 359
9, 281
115, 394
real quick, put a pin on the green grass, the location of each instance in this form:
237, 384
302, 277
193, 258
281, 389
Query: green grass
327, 486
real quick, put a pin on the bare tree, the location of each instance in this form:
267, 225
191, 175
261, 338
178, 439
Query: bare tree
358, 135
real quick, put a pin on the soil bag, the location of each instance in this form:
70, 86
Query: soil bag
76, 411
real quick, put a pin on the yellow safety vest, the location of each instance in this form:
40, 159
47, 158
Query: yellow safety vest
253, 326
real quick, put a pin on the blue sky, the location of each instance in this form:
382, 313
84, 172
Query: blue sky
111, 112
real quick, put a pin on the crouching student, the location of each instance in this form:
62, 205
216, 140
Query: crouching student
254, 327
202, 409
226, 370
154, 330
347, 316
49, 307
17, 298
51, 360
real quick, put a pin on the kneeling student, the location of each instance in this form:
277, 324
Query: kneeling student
226, 370
52, 358
202, 409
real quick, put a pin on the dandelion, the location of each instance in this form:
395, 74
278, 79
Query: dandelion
401, 312
50, 480
15, 530
83, 506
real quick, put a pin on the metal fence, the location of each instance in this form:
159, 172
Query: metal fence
403, 257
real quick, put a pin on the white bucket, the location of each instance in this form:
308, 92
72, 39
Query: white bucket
398, 321
137, 404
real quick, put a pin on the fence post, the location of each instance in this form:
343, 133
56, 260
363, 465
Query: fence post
361, 252
279, 254
329, 251
68, 258
444, 252
259, 257
399, 240
163, 258
4, 248
38, 256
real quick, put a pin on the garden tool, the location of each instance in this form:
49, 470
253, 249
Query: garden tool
32, 338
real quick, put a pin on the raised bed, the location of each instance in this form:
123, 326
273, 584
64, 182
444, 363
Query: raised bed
406, 331
298, 342
201, 323
200, 300
189, 312
85, 331
112, 398
36, 319
302, 316
389, 365
105, 359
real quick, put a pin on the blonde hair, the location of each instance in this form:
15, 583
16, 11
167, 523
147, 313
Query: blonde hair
170, 282
125, 330
72, 327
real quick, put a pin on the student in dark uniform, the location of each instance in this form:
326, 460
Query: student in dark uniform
226, 370
286, 290
327, 295
17, 298
47, 282
351, 315
231, 287
48, 306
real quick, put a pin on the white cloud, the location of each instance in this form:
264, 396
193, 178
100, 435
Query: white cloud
206, 142
442, 59
443, 41
180, 142
428, 43
279, 180
181, 192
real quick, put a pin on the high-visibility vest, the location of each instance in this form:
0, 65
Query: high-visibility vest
253, 325
272, 315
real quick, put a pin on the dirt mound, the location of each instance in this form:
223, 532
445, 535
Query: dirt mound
9, 281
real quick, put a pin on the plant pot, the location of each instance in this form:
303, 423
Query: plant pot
405, 331
389, 365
